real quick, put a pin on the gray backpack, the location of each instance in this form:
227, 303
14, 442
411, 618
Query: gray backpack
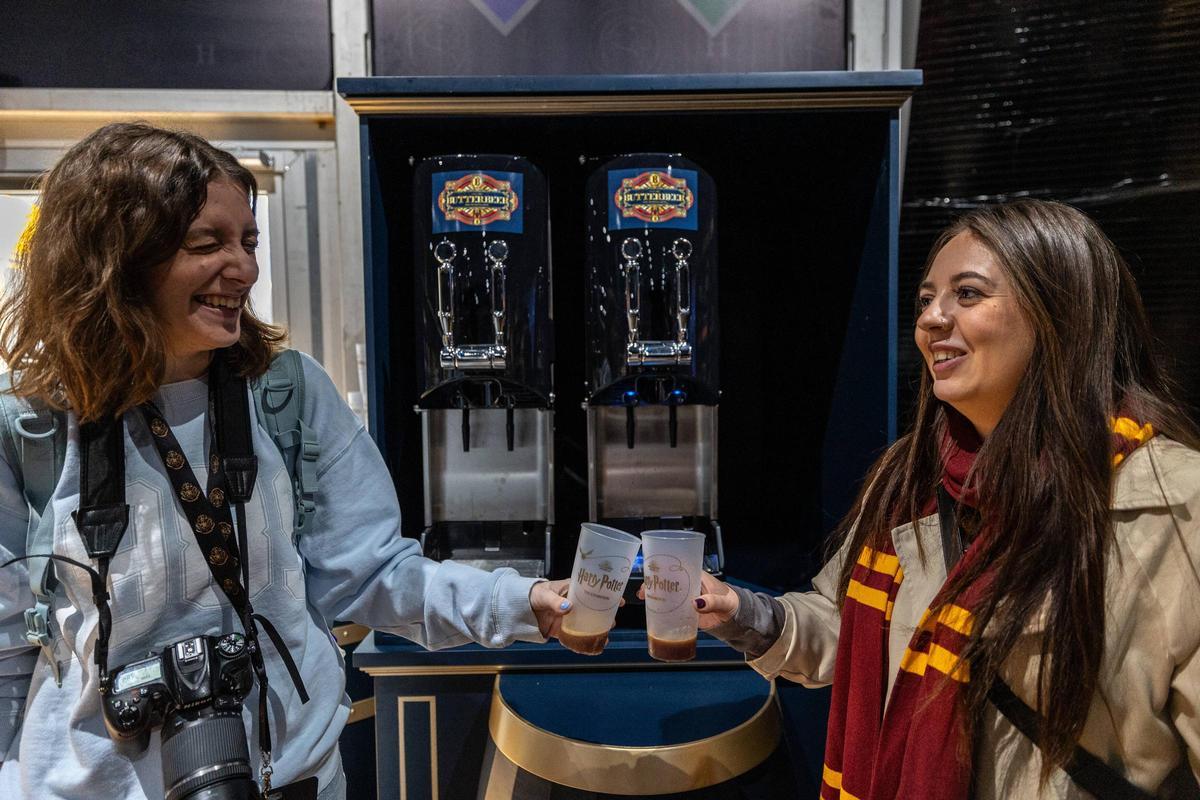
35, 438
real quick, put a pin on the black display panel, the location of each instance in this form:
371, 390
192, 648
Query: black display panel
613, 37
184, 44
791, 450
652, 265
482, 282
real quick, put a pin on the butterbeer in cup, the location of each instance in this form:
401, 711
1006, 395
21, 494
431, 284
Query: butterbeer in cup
672, 563
603, 560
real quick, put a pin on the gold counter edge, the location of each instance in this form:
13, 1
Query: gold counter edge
653, 770
619, 103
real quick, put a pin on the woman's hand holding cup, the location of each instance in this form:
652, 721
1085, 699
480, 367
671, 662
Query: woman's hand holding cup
717, 603
548, 599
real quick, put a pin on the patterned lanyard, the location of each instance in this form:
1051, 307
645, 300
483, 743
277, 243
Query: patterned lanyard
211, 521
207, 512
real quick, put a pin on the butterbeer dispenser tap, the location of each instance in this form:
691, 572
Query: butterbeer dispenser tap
652, 359
485, 336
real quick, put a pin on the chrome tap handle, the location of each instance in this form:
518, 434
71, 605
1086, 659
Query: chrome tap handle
631, 249
445, 253
682, 250
497, 252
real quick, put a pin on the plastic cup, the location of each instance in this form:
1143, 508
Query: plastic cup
672, 563
603, 560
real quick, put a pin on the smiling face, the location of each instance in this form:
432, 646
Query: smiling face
199, 293
976, 340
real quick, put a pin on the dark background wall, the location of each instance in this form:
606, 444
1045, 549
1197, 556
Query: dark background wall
548, 37
285, 44
182, 44
1096, 104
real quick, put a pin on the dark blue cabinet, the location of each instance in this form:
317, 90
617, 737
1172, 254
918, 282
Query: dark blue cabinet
807, 169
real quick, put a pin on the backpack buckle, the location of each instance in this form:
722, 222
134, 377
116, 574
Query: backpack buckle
33, 416
37, 632
37, 628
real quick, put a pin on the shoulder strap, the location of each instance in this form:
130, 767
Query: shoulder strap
952, 543
34, 439
1086, 770
279, 402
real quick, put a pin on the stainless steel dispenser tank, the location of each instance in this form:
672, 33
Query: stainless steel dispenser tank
486, 349
653, 345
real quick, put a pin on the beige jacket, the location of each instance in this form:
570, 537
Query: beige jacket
1145, 719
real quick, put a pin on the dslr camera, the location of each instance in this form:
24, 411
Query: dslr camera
194, 690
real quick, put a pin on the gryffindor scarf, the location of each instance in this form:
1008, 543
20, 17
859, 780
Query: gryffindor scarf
910, 748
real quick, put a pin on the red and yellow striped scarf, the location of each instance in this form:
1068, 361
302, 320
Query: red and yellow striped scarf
908, 746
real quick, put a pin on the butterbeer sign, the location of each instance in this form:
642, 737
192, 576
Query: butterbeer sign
475, 200
652, 198
600, 580
667, 581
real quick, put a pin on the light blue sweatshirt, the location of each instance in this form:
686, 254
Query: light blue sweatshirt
352, 564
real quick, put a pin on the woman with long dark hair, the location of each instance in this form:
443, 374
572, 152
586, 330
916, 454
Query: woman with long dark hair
1058, 578
131, 315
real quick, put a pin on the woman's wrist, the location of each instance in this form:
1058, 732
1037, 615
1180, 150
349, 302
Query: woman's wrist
755, 625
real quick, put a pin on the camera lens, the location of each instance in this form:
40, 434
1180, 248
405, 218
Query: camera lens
205, 757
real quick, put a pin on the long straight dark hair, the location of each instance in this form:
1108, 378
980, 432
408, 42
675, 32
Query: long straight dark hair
1045, 473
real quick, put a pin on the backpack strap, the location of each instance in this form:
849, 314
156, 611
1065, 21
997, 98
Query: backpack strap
1086, 770
34, 439
279, 402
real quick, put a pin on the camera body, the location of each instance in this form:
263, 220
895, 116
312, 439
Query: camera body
191, 673
194, 690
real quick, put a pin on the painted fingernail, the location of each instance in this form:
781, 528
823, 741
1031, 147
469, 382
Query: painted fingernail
564, 605
699, 602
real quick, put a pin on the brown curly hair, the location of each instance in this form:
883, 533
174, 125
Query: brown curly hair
77, 328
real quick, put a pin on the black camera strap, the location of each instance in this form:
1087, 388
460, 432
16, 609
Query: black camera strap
102, 517
1086, 770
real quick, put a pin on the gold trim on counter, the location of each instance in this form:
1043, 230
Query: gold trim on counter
360, 710
654, 770
431, 701
350, 634
627, 103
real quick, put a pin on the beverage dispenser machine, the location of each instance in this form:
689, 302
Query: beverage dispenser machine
652, 338
485, 360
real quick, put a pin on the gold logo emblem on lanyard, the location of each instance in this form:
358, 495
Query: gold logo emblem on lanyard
218, 556
189, 493
214, 463
217, 497
204, 524
159, 428
226, 529
174, 459
229, 585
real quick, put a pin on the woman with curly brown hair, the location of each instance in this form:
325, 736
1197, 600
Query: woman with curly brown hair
1015, 595
130, 314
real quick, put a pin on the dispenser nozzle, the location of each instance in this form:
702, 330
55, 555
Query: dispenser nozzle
466, 428
510, 428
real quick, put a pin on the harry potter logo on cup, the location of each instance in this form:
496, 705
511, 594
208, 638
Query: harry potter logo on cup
667, 582
601, 580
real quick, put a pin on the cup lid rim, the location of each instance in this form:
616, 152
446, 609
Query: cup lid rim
670, 533
611, 533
